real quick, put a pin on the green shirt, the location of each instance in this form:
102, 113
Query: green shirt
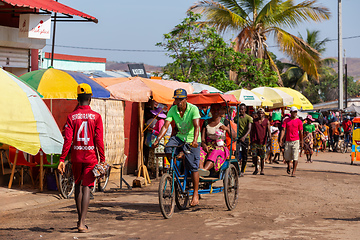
243, 125
185, 124
309, 127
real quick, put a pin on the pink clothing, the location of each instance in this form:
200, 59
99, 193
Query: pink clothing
158, 126
292, 128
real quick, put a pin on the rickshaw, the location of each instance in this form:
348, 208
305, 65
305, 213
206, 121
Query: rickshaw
355, 151
174, 187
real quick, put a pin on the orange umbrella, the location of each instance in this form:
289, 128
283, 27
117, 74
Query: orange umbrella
129, 90
138, 89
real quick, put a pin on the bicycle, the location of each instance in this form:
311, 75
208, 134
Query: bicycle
174, 188
345, 144
67, 182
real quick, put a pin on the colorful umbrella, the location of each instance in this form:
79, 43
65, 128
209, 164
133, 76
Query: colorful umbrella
300, 101
276, 96
198, 87
250, 98
25, 121
140, 89
53, 83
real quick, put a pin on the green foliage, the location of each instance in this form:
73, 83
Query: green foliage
200, 54
257, 72
328, 87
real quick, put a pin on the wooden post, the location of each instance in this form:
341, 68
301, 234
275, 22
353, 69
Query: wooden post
41, 172
141, 166
22, 177
13, 169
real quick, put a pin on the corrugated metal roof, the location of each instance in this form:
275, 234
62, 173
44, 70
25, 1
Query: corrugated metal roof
50, 5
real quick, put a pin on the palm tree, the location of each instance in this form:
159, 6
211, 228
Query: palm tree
257, 19
295, 74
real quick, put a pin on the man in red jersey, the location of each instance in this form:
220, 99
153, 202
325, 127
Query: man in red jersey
84, 134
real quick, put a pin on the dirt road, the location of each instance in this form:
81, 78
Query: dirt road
322, 202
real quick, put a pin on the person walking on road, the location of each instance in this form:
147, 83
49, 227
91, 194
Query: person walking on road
244, 123
309, 137
84, 135
260, 131
186, 117
335, 132
293, 128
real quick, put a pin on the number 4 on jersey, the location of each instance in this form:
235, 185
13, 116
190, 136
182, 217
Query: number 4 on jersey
83, 127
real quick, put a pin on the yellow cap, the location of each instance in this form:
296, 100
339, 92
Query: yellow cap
84, 88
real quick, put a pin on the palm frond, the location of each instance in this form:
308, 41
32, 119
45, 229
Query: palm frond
251, 5
328, 61
290, 15
274, 68
267, 11
219, 16
301, 53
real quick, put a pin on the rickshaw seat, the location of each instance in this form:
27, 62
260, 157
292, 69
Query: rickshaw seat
208, 179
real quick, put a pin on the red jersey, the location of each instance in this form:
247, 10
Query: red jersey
347, 126
292, 128
84, 130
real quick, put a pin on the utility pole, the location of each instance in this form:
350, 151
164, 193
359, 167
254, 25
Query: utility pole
53, 42
346, 81
340, 58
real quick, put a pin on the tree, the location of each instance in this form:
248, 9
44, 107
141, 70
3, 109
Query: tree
295, 75
257, 19
201, 55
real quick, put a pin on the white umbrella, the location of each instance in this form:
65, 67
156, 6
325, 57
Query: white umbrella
198, 87
246, 96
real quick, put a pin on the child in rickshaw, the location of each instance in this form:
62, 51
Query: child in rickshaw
214, 151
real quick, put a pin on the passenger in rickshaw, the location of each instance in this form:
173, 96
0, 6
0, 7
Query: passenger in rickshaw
214, 151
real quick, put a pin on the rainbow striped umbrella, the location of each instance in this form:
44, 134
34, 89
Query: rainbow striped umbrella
53, 83
25, 121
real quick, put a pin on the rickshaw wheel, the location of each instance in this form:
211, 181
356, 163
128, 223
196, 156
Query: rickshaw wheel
181, 199
66, 181
231, 187
166, 196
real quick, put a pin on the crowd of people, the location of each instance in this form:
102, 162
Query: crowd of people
266, 139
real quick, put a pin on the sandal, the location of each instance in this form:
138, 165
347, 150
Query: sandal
83, 230
255, 172
288, 170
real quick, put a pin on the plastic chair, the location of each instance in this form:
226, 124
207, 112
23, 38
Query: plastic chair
47, 164
17, 158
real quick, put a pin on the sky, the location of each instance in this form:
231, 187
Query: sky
140, 24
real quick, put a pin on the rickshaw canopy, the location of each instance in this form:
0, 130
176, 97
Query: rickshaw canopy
211, 98
356, 120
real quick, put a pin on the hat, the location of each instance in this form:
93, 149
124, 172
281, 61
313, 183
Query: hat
293, 109
276, 122
310, 118
84, 88
158, 112
180, 93
260, 110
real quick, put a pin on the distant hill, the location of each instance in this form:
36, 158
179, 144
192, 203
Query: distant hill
123, 66
353, 66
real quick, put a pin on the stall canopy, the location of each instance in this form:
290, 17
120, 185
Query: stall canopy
106, 82
276, 96
300, 101
48, 6
59, 84
198, 87
25, 121
140, 90
210, 98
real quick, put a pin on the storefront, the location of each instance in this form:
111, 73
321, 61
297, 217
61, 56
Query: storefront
19, 49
